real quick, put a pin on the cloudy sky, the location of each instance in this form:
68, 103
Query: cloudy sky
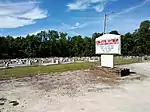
76, 17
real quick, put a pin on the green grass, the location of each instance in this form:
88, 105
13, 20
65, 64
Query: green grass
126, 61
28, 71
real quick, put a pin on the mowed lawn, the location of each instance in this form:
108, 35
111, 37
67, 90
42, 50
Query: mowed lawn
28, 71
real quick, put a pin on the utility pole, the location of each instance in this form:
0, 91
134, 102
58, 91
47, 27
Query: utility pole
105, 17
105, 21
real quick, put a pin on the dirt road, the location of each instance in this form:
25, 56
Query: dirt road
76, 92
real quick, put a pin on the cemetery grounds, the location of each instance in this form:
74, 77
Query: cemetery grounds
74, 88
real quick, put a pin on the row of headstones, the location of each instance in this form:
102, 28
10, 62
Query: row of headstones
57, 60
133, 57
67, 59
38, 61
15, 62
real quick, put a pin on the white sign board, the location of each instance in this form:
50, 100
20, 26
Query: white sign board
108, 44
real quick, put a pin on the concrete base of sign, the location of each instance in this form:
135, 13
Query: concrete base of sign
107, 61
118, 72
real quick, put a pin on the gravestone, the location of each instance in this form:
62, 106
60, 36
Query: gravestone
52, 60
57, 61
29, 62
69, 60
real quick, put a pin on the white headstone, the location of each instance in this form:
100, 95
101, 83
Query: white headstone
69, 60
52, 60
73, 60
57, 61
29, 62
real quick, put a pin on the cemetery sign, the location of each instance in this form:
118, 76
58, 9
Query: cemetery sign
108, 44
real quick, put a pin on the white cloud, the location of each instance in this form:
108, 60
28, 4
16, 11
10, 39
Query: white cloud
98, 21
35, 14
77, 23
98, 5
130, 9
84, 4
95, 1
18, 14
99, 8
78, 5
76, 26
14, 22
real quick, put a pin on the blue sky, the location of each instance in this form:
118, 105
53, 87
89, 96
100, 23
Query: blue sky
76, 17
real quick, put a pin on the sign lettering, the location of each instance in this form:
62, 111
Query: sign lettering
106, 42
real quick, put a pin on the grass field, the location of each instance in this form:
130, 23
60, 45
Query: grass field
28, 71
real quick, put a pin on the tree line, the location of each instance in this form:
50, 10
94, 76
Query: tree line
58, 44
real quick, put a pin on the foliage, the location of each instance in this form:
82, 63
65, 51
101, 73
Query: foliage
138, 43
52, 43
114, 32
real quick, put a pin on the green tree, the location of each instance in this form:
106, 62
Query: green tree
87, 44
63, 45
114, 32
127, 44
96, 35
51, 43
77, 42
142, 39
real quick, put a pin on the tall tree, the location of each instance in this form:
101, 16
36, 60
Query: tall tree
127, 44
63, 45
142, 38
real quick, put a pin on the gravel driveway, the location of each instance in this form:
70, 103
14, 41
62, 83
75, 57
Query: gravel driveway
77, 91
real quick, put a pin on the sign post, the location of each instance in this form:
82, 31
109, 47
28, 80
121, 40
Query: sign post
107, 45
107, 61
